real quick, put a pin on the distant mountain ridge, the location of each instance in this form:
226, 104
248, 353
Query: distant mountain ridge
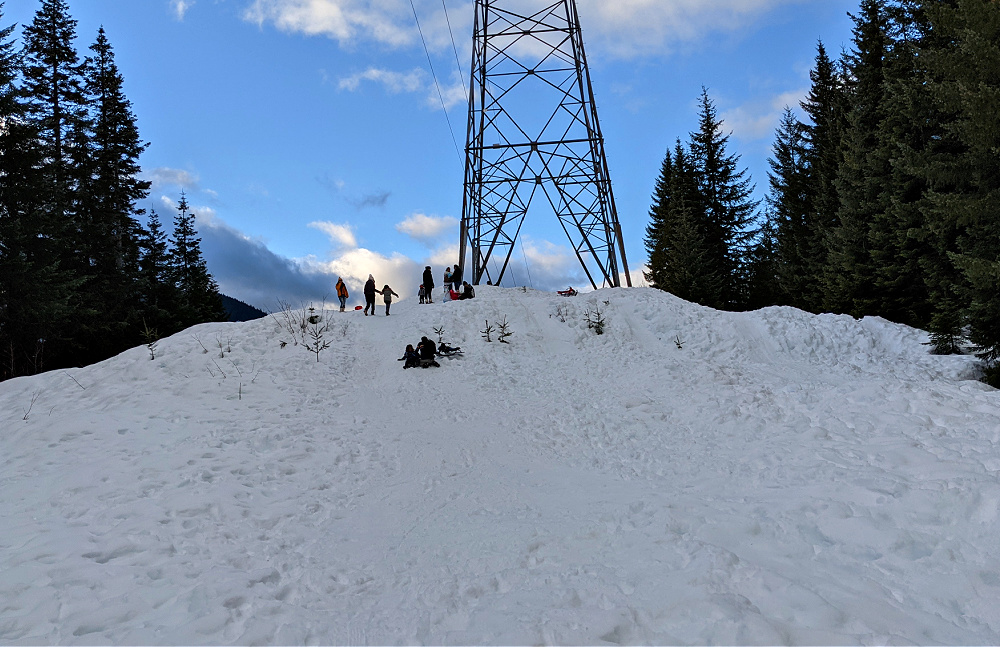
239, 311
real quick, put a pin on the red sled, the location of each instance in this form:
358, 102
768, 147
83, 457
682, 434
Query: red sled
358, 308
567, 293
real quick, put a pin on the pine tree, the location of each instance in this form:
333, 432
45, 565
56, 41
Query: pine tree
726, 201
790, 203
657, 235
964, 169
55, 109
110, 232
897, 241
200, 299
159, 295
679, 263
764, 268
823, 149
865, 170
56, 103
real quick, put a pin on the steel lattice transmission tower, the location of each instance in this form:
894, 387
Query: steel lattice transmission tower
534, 141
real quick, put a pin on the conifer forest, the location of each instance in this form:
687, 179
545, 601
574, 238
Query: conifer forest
884, 188
81, 279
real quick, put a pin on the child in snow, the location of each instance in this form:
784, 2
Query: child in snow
410, 357
387, 295
421, 294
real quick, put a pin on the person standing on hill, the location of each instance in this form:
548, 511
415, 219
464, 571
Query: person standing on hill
447, 283
370, 294
387, 293
429, 284
342, 293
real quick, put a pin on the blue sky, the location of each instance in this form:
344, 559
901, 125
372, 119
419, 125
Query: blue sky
311, 141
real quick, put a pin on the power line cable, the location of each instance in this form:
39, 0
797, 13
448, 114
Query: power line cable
526, 268
436, 84
454, 47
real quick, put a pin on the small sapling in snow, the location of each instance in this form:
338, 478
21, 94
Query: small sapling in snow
504, 331
487, 332
315, 331
151, 339
595, 320
34, 398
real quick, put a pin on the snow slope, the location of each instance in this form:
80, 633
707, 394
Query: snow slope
781, 478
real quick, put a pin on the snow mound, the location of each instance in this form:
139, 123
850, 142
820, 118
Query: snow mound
689, 476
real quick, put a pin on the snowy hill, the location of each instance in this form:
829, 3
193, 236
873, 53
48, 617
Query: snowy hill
779, 478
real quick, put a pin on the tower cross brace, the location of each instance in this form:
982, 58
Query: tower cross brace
534, 139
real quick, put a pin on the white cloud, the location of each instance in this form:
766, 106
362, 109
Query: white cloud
394, 82
385, 21
425, 228
633, 28
400, 272
758, 119
171, 177
180, 7
342, 236
626, 28
415, 81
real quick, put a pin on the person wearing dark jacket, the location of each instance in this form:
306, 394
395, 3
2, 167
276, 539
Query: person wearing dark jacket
467, 291
429, 284
387, 293
370, 294
411, 357
427, 349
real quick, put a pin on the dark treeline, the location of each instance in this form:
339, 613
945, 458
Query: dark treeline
886, 199
80, 278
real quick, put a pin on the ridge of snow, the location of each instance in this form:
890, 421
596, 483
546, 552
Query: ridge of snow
779, 478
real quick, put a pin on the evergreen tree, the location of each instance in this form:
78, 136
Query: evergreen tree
199, 293
790, 203
729, 211
964, 169
764, 268
55, 108
159, 295
657, 236
56, 103
897, 243
110, 235
825, 105
679, 258
865, 170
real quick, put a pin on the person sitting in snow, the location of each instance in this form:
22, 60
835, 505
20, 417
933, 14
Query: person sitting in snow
411, 357
467, 291
427, 349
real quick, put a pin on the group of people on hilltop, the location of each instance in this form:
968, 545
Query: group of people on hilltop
425, 293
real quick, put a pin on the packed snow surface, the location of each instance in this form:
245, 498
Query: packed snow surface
689, 476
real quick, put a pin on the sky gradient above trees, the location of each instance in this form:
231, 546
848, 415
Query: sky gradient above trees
310, 139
